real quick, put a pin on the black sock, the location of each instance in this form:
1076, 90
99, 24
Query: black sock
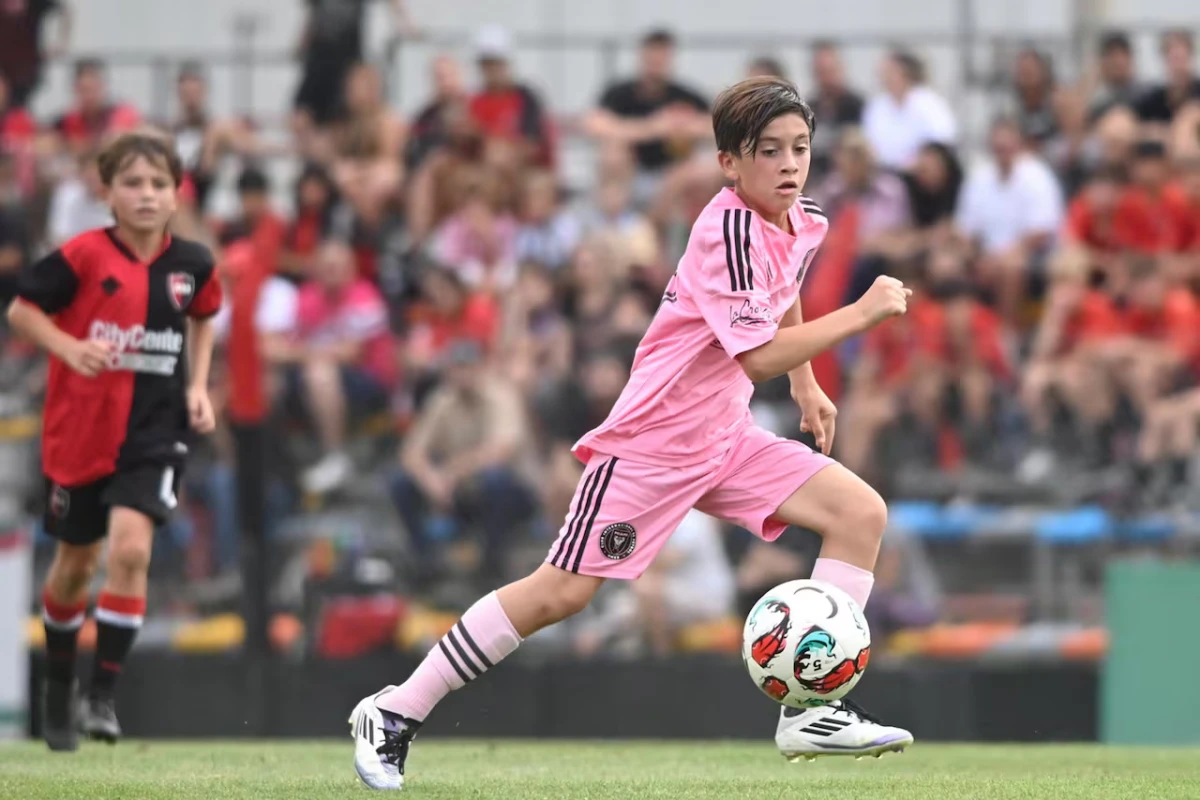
118, 620
1179, 471
62, 623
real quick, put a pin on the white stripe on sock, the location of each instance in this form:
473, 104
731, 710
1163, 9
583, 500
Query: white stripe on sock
120, 620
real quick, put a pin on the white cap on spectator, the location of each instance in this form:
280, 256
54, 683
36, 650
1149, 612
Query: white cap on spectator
494, 43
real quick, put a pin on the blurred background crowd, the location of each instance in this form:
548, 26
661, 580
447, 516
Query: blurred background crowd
443, 314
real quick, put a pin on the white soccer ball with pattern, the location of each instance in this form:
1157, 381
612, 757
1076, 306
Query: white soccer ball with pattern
806, 643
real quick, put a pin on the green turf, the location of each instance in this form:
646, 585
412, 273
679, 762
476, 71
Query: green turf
595, 771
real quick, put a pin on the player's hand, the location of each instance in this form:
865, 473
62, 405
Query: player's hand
818, 415
886, 298
88, 357
200, 410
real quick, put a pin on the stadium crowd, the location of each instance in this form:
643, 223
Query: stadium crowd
432, 286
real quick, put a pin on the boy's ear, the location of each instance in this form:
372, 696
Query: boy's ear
729, 164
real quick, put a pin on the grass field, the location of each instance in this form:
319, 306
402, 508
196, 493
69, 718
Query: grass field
595, 771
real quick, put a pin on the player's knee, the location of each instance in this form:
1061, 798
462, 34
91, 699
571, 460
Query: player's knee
864, 518
129, 555
567, 595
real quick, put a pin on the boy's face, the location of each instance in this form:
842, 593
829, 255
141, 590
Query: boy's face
143, 196
770, 179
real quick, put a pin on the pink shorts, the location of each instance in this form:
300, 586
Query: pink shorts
624, 511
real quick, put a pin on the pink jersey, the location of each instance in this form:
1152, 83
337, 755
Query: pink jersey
357, 314
687, 397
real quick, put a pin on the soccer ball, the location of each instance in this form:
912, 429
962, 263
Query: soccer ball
806, 644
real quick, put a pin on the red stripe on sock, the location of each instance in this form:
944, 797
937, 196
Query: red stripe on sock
61, 612
111, 666
119, 604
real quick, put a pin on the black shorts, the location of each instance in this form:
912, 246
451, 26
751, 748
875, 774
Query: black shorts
79, 514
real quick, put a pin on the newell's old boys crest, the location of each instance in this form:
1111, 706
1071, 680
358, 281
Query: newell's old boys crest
60, 502
181, 287
618, 540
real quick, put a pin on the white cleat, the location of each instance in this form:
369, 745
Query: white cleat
839, 729
380, 744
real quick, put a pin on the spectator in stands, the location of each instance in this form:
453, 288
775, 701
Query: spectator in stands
1154, 216
836, 104
200, 138
367, 143
908, 114
881, 198
934, 184
1036, 95
1182, 87
15, 245
316, 203
94, 116
766, 67
479, 240
1010, 209
611, 218
258, 221
436, 189
331, 43
1118, 81
463, 463
18, 139
1166, 448
344, 356
449, 311
1094, 223
430, 128
660, 119
78, 203
536, 339
547, 234
21, 54
506, 111
594, 293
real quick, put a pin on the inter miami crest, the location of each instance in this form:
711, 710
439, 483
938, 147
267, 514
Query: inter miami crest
181, 287
618, 540
60, 502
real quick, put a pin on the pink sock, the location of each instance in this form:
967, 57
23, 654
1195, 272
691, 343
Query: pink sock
852, 580
477, 642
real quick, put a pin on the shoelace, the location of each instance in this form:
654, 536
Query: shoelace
394, 749
851, 707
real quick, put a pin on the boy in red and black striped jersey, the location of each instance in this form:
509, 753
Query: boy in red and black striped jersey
124, 314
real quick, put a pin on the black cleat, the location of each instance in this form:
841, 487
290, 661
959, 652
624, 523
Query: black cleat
98, 719
59, 727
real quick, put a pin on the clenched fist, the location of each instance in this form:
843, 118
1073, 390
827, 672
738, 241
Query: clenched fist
88, 357
886, 298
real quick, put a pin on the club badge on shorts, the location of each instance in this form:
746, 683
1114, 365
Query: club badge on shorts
181, 287
618, 540
60, 502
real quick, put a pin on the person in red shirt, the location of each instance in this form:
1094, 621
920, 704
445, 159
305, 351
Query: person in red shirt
1093, 221
258, 222
506, 110
95, 117
1152, 214
18, 137
21, 56
124, 313
316, 200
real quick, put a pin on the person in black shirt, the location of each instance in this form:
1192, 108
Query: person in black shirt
332, 42
1160, 104
1118, 76
661, 119
835, 104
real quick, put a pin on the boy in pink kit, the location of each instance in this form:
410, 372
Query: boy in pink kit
681, 436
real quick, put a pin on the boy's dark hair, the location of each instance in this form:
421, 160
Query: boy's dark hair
659, 37
128, 147
744, 110
910, 63
83, 66
1115, 40
253, 181
1150, 150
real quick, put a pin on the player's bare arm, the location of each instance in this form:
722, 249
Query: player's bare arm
795, 346
200, 346
818, 412
85, 356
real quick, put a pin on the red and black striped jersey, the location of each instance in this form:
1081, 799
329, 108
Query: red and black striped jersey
135, 412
